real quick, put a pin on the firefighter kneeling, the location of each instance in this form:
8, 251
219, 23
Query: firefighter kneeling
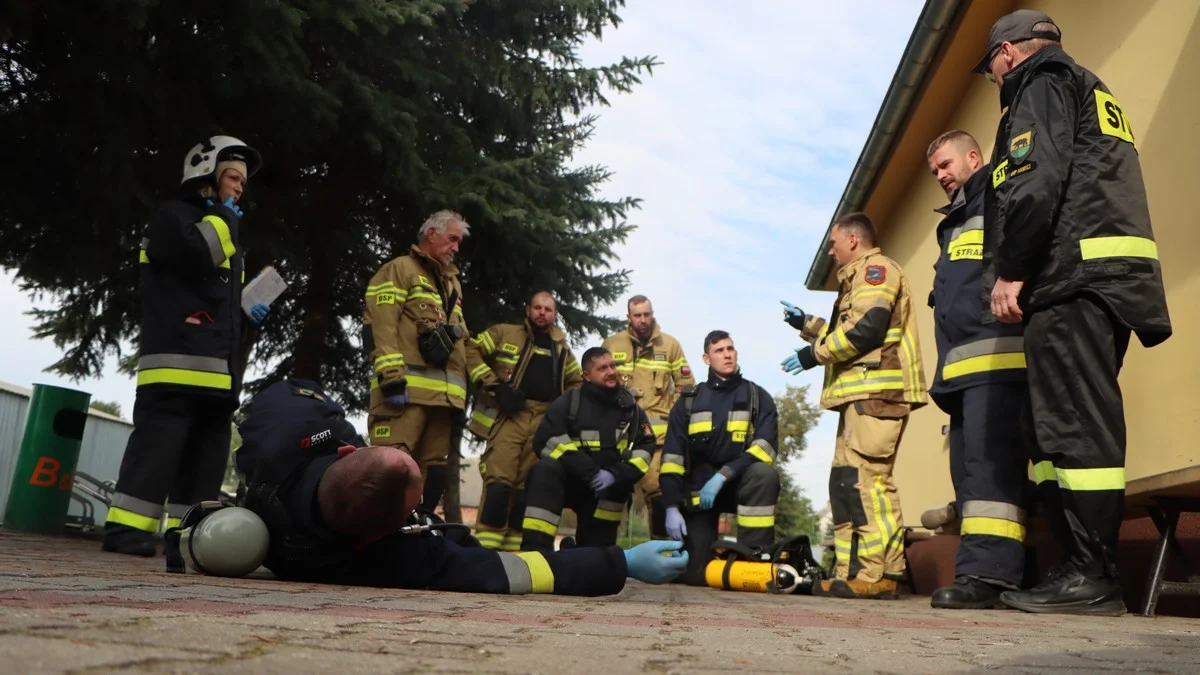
719, 457
596, 445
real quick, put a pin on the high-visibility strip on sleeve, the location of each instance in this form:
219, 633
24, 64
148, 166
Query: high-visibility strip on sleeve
215, 232
573, 368
762, 451
386, 361
527, 572
485, 342
1081, 480
556, 446
1118, 247
672, 464
478, 372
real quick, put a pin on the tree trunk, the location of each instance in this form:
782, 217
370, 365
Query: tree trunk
451, 500
311, 346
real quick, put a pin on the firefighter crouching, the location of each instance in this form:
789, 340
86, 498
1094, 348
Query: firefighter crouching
873, 378
720, 458
188, 370
651, 364
980, 383
414, 333
334, 512
595, 444
523, 368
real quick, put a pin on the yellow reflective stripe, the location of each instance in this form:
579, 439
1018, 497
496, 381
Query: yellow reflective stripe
388, 361
893, 335
882, 295
755, 521
1118, 247
142, 257
669, 468
191, 378
490, 539
573, 367
622, 444
512, 543
539, 526
700, 427
995, 527
539, 571
658, 429
648, 364
479, 371
479, 416
640, 464
983, 364
760, 454
1044, 471
611, 516
911, 365
839, 345
223, 235
563, 448
430, 384
695, 500
173, 522
857, 382
737, 425
1092, 479
130, 519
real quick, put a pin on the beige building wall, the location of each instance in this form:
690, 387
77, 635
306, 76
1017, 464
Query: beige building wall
1148, 53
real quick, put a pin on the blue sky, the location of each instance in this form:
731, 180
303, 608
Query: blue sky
740, 146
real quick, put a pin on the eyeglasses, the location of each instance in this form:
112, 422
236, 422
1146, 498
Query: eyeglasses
992, 57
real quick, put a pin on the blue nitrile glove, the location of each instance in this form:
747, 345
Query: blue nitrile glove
793, 315
259, 312
603, 480
656, 562
229, 204
397, 401
792, 363
708, 493
676, 528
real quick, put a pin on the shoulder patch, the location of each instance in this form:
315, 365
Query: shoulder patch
1020, 146
875, 274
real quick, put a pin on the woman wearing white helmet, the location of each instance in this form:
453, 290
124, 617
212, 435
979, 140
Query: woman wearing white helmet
188, 372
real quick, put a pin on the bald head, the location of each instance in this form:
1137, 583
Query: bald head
370, 492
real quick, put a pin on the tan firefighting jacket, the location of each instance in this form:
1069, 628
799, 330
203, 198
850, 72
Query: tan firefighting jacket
406, 297
503, 352
654, 371
872, 351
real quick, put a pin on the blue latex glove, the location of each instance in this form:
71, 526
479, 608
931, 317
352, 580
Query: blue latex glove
603, 480
792, 363
656, 562
229, 203
793, 315
397, 401
676, 527
708, 493
259, 312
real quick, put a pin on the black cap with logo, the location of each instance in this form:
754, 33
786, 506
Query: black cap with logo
1015, 27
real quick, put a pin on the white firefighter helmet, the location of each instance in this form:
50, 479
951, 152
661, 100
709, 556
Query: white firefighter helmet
202, 159
228, 542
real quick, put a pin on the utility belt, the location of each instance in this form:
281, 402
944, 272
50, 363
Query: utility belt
788, 568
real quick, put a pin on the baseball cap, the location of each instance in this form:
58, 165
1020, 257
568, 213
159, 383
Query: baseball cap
1015, 27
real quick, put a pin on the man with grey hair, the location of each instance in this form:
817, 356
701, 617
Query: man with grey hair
413, 332
1069, 252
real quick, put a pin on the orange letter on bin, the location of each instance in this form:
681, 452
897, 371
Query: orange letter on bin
45, 474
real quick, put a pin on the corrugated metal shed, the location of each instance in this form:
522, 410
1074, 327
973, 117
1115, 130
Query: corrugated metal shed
100, 453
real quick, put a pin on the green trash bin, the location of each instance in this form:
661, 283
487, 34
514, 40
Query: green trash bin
41, 485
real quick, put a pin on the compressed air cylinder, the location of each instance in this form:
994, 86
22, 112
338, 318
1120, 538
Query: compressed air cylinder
751, 576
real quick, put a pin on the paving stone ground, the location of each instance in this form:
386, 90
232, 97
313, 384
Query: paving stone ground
65, 606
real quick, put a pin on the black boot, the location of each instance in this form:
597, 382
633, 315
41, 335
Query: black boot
566, 543
968, 593
435, 487
130, 541
1066, 590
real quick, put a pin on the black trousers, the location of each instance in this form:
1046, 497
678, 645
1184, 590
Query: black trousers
177, 454
751, 495
549, 489
1075, 425
988, 461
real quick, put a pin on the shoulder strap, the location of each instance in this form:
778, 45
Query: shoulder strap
689, 397
573, 410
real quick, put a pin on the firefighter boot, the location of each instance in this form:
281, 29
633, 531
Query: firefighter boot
130, 541
435, 486
968, 593
1068, 591
857, 589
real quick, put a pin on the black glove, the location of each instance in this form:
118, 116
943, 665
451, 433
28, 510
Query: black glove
508, 398
794, 316
437, 344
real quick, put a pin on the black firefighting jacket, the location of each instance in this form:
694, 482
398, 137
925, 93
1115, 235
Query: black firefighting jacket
1068, 213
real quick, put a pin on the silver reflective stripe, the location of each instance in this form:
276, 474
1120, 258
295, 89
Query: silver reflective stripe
655, 420
138, 506
177, 510
1000, 345
705, 416
756, 510
542, 514
215, 250
672, 459
520, 581
553, 442
206, 364
145, 243
973, 223
589, 435
643, 454
451, 378
766, 447
613, 507
739, 416
985, 509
